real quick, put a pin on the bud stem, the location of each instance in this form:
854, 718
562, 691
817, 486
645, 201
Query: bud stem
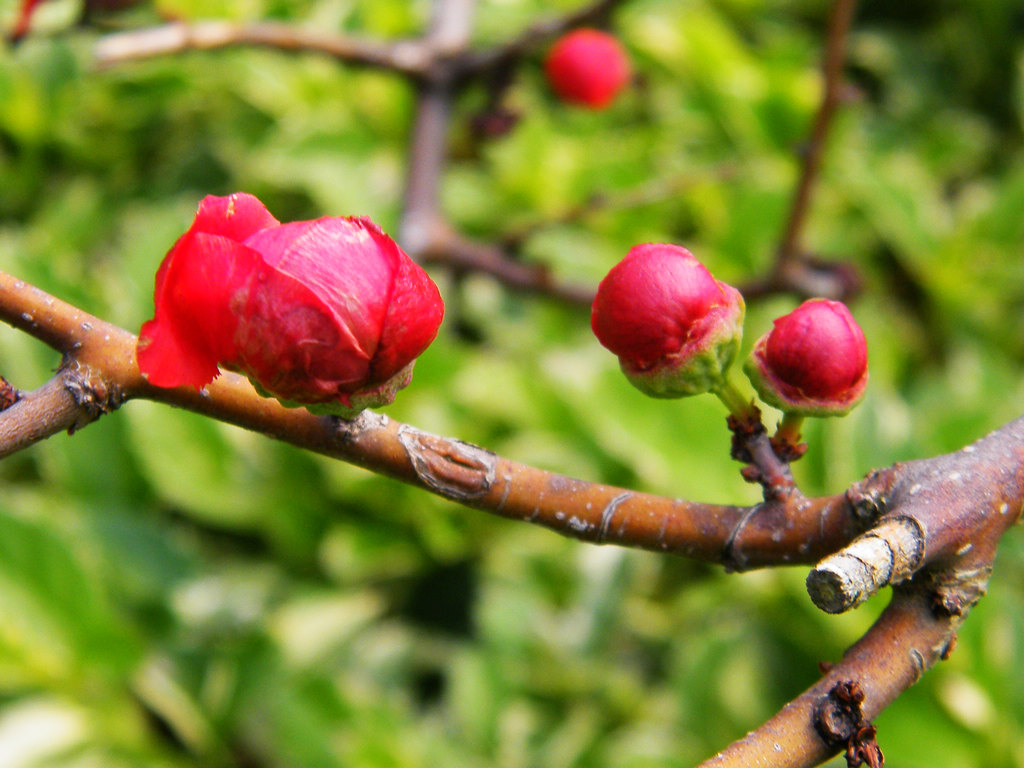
789, 428
739, 406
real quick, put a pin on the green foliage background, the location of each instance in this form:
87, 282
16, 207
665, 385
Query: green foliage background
176, 592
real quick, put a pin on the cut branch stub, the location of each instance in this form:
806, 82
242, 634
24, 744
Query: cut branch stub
887, 554
943, 517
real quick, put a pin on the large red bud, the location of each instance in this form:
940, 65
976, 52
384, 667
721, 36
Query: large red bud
328, 313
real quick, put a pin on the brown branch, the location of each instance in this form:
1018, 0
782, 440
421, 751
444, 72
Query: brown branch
793, 270
960, 521
943, 516
100, 373
407, 57
938, 523
835, 54
450, 249
38, 415
425, 232
764, 462
441, 63
428, 151
905, 641
427, 155
437, 63
806, 277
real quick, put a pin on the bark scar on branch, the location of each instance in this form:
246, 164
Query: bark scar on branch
90, 392
456, 470
608, 513
839, 720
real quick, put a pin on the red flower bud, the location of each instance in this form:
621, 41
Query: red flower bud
813, 362
587, 67
329, 311
675, 328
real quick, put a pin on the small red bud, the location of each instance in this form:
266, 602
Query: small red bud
329, 313
813, 362
675, 328
587, 67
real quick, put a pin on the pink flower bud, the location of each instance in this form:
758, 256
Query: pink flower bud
328, 312
587, 67
675, 328
813, 362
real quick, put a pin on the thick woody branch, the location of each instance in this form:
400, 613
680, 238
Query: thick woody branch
890, 553
943, 516
960, 504
102, 363
906, 641
407, 57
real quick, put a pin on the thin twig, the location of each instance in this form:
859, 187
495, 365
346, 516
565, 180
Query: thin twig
407, 57
529, 39
37, 416
835, 55
647, 193
436, 62
450, 249
794, 271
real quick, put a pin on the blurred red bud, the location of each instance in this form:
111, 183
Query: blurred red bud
587, 67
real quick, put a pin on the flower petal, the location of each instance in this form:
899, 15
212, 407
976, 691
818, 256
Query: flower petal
347, 262
414, 315
193, 329
236, 216
291, 342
